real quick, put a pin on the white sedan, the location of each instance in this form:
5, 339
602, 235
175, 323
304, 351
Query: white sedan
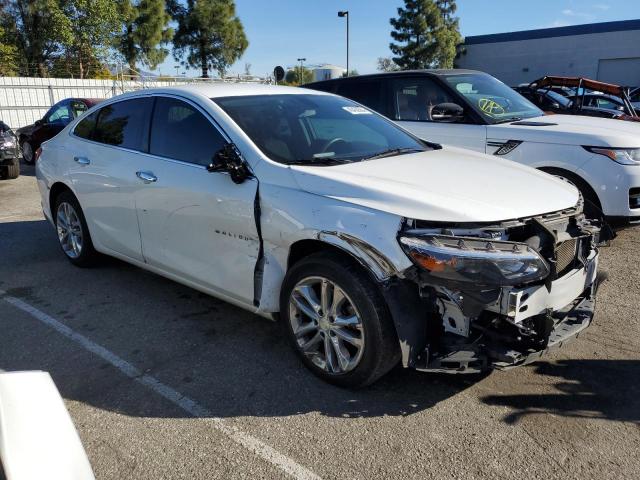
372, 246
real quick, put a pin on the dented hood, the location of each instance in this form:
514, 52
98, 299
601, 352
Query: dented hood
447, 185
570, 130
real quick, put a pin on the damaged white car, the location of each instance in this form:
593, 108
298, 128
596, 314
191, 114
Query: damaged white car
373, 247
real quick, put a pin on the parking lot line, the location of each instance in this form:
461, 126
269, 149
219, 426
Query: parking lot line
284, 463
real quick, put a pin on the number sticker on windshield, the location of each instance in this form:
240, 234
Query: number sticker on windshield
357, 110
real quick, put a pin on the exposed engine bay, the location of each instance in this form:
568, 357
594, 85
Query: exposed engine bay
496, 296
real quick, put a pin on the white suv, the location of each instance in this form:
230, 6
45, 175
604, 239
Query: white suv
372, 246
476, 111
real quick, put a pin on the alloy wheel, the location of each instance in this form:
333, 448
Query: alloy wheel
327, 325
69, 230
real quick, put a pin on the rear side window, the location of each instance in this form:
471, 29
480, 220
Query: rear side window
77, 108
84, 128
179, 131
367, 93
124, 124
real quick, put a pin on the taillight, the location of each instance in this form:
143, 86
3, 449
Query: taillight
38, 153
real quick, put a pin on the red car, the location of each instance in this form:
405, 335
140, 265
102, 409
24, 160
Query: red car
58, 117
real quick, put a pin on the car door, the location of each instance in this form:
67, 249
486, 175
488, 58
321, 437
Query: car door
103, 164
195, 224
413, 97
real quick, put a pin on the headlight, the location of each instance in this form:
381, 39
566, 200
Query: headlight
625, 156
8, 143
482, 262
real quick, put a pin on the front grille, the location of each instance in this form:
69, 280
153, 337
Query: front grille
565, 254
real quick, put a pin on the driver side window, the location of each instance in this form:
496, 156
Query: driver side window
414, 98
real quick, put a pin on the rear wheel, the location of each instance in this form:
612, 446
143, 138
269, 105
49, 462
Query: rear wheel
72, 230
337, 321
27, 152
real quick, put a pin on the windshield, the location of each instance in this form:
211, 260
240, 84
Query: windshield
492, 99
316, 129
560, 99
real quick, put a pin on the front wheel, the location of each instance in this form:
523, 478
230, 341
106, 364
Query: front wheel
337, 320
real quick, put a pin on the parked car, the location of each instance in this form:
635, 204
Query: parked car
9, 153
58, 117
550, 101
371, 245
474, 110
592, 97
635, 98
37, 438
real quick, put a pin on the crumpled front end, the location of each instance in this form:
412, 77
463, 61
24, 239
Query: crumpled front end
494, 296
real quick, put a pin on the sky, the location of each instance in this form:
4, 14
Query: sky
281, 31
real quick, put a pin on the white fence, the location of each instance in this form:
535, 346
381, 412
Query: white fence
23, 100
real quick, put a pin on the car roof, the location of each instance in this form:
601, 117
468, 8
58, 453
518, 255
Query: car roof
436, 72
220, 89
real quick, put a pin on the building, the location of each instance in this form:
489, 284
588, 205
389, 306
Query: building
327, 72
609, 52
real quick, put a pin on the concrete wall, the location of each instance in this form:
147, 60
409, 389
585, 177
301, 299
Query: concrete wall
611, 57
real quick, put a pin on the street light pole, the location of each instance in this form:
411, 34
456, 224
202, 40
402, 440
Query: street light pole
342, 14
301, 77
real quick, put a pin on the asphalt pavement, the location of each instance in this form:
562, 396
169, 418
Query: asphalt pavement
163, 382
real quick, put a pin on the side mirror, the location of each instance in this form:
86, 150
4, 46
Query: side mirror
228, 159
447, 113
555, 105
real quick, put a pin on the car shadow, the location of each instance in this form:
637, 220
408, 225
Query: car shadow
230, 361
600, 389
26, 169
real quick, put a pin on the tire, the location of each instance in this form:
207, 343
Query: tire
13, 170
27, 153
69, 218
357, 297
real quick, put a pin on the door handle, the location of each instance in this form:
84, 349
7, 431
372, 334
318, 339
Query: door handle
146, 177
82, 160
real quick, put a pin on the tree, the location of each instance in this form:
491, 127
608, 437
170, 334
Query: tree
298, 76
93, 25
9, 56
386, 64
426, 34
209, 35
145, 33
39, 28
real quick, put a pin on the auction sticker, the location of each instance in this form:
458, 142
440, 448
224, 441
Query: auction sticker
357, 110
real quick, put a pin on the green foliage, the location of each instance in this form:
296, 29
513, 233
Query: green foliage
386, 64
93, 24
427, 34
39, 29
144, 32
9, 55
293, 76
209, 35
